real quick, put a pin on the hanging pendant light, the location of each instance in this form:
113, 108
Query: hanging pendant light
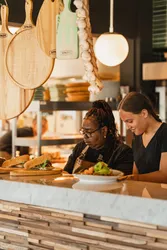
111, 48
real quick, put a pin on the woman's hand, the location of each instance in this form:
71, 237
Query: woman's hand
133, 177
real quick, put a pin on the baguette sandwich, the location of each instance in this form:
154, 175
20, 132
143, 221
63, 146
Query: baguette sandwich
38, 166
42, 162
16, 162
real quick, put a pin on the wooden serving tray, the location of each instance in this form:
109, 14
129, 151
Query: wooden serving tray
4, 171
9, 169
23, 172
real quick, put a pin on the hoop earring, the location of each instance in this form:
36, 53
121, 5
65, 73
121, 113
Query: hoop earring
104, 136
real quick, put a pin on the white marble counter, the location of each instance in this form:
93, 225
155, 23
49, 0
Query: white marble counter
135, 201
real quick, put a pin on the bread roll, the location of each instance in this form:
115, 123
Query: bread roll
15, 161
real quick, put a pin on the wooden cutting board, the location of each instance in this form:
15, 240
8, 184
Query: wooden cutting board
9, 169
13, 99
27, 172
46, 26
67, 44
4, 171
26, 63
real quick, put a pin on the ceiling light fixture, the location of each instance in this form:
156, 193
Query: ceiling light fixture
111, 48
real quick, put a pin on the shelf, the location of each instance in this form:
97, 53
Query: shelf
51, 106
31, 142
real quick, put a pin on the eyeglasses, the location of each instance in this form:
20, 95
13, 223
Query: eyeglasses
88, 134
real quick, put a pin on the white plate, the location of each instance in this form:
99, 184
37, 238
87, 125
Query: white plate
99, 178
101, 187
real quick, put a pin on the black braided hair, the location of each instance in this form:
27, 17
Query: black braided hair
102, 113
135, 102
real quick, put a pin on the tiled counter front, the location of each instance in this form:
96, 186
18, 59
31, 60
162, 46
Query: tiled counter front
25, 227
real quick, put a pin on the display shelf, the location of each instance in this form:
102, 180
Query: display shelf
43, 106
30, 142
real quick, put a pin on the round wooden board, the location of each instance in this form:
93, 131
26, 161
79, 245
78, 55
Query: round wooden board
46, 26
26, 63
13, 99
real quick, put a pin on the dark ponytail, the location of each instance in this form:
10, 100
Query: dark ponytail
135, 102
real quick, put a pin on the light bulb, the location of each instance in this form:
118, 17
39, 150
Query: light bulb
111, 49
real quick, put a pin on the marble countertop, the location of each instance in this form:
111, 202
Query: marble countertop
128, 200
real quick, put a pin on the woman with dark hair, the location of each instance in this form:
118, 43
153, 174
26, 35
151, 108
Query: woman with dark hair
150, 138
100, 142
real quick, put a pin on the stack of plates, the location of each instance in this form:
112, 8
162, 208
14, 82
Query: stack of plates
57, 92
77, 92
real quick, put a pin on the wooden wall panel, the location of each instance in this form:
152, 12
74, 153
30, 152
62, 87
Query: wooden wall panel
25, 227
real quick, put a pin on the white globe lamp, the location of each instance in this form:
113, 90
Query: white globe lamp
111, 48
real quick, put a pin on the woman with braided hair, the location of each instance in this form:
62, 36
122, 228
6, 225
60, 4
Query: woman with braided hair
101, 142
150, 138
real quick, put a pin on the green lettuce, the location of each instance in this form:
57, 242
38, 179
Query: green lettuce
101, 168
43, 166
